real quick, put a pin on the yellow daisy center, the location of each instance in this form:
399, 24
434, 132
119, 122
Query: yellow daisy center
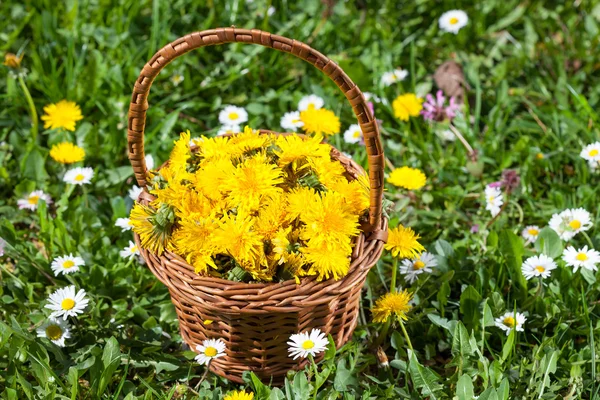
491, 198
308, 344
67, 304
68, 264
419, 265
533, 232
133, 249
33, 199
453, 21
539, 156
581, 257
53, 332
509, 321
295, 121
210, 352
593, 153
233, 116
540, 269
575, 224
79, 177
356, 134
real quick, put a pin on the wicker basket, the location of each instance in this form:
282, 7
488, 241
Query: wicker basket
256, 320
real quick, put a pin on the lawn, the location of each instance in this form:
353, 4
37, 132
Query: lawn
502, 280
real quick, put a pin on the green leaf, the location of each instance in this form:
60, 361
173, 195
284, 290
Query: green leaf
460, 341
469, 305
504, 390
423, 378
548, 242
488, 316
464, 388
508, 345
111, 359
300, 387
547, 367
489, 394
511, 247
343, 377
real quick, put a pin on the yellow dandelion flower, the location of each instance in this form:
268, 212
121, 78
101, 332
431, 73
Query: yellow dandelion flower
328, 171
12, 60
406, 106
392, 303
236, 237
67, 153
180, 156
251, 181
299, 199
403, 242
354, 192
249, 140
327, 261
285, 248
153, 225
271, 216
239, 395
217, 148
320, 121
293, 148
210, 179
63, 114
193, 240
408, 178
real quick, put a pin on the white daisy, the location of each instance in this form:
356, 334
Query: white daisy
312, 100
353, 134
209, 349
303, 344
452, 21
79, 176
493, 199
30, 202
66, 264
134, 192
511, 320
229, 129
372, 97
541, 265
390, 77
291, 121
149, 161
570, 222
64, 302
591, 152
130, 250
422, 264
176, 79
232, 115
55, 330
124, 224
594, 165
270, 11
583, 258
2, 245
530, 233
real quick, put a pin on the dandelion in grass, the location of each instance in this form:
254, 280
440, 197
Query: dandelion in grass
130, 250
177, 78
124, 224
392, 304
291, 121
232, 116
135, 192
67, 153
66, 264
453, 21
229, 130
239, 395
66, 303
311, 101
12, 60
406, 106
320, 122
307, 343
391, 77
511, 320
55, 330
541, 266
581, 258
353, 134
209, 350
423, 264
570, 222
79, 176
591, 152
407, 178
436, 109
63, 114
403, 243
31, 201
493, 199
540, 156
530, 233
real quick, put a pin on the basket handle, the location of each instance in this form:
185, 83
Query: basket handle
141, 89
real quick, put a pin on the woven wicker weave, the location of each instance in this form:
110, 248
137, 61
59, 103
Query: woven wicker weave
256, 320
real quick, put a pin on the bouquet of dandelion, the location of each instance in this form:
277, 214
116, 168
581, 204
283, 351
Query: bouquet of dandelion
255, 207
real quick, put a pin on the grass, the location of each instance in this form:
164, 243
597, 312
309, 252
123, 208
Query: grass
532, 71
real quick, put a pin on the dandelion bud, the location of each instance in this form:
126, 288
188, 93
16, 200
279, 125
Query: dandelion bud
12, 60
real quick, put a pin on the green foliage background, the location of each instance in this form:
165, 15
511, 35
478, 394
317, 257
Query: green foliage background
533, 71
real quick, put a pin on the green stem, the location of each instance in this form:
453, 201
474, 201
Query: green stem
32, 110
588, 239
394, 276
408, 342
383, 333
316, 372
